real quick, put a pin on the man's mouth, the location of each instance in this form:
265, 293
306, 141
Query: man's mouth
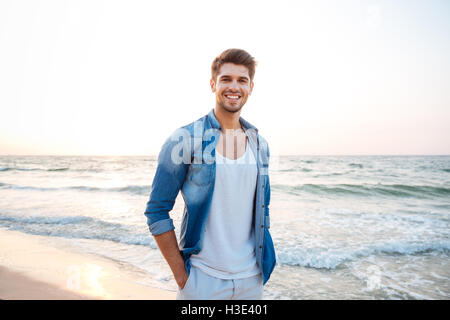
232, 97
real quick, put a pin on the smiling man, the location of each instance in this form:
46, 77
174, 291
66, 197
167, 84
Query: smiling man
225, 249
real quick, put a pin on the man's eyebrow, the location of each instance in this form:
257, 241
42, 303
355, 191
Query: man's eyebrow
227, 76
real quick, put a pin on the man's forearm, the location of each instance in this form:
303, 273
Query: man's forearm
167, 243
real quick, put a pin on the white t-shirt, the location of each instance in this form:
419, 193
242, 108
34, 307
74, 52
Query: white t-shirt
228, 250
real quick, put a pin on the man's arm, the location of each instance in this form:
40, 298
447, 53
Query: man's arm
167, 243
168, 180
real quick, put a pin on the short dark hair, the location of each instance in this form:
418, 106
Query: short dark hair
236, 56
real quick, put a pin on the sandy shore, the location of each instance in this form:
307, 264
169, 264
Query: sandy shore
32, 269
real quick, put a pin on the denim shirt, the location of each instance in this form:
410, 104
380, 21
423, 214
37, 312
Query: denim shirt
186, 162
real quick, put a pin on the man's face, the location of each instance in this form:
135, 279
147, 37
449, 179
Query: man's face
232, 87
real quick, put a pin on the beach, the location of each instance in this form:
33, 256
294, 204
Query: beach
32, 269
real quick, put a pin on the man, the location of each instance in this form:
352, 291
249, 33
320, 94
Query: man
220, 164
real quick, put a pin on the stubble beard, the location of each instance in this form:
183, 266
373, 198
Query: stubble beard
224, 106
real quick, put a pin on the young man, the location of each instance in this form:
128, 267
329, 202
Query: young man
220, 164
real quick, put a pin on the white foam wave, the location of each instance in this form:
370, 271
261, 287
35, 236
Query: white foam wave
329, 258
79, 227
133, 189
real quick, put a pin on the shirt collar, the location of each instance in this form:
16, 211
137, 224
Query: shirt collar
216, 125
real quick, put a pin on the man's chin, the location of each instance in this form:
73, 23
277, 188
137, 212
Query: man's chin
232, 109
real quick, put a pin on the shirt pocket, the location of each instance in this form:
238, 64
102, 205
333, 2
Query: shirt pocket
199, 174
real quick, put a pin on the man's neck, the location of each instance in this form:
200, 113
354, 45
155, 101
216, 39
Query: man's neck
227, 120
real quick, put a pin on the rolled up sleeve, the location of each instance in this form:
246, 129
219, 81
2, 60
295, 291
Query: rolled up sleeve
161, 226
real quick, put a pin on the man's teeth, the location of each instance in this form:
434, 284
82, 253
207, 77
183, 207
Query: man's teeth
232, 97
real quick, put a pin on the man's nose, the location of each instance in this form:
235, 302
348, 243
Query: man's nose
234, 85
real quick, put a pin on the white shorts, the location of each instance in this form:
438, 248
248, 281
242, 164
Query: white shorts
202, 286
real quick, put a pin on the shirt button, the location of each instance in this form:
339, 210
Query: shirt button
262, 226
260, 247
263, 206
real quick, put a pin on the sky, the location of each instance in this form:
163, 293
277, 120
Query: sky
118, 77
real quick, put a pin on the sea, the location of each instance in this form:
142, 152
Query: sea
344, 227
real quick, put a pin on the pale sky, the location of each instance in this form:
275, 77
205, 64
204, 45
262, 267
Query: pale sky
118, 77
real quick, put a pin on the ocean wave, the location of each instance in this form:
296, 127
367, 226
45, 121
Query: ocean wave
325, 258
78, 227
296, 169
394, 190
133, 189
19, 169
82, 227
332, 174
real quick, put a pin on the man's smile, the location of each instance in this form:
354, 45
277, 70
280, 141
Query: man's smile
232, 96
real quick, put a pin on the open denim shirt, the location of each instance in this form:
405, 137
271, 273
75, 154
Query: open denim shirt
187, 163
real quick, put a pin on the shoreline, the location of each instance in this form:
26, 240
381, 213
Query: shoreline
32, 269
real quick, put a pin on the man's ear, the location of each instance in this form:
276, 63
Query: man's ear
212, 83
251, 88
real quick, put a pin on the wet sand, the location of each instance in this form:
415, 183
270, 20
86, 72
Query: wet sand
30, 268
